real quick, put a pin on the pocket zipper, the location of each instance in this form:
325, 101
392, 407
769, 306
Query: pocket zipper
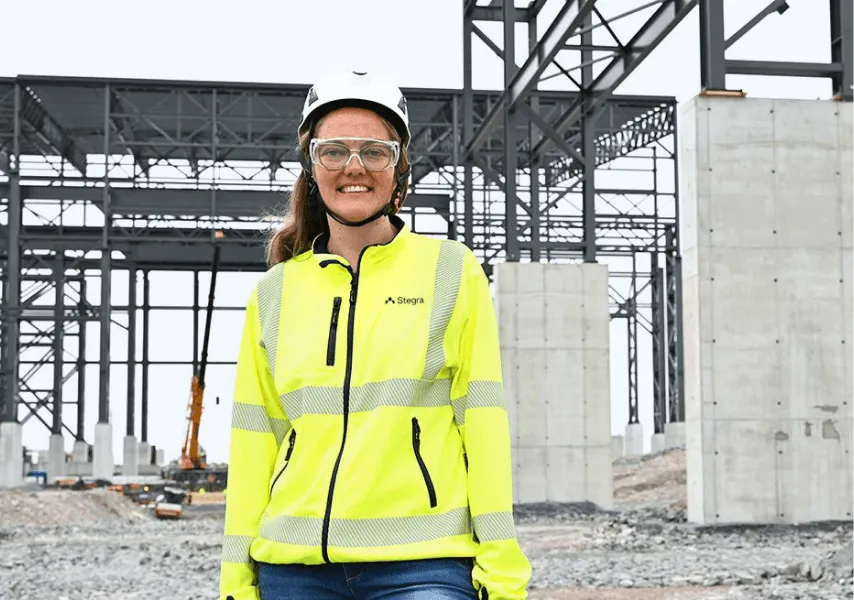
333, 332
416, 446
291, 441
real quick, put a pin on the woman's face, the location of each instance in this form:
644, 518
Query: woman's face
354, 193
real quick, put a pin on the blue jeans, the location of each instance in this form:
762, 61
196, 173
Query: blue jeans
433, 579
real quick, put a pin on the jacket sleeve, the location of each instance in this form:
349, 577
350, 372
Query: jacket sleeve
257, 429
501, 571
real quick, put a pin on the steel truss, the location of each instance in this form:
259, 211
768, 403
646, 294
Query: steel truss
715, 66
105, 175
564, 188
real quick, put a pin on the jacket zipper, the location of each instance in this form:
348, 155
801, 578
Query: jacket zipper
416, 445
291, 441
348, 372
333, 332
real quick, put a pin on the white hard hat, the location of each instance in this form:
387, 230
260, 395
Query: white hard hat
358, 88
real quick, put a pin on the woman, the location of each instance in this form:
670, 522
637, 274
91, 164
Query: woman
370, 448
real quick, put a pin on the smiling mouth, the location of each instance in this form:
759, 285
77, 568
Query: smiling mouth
354, 189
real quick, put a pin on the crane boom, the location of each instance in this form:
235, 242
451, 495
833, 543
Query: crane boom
190, 456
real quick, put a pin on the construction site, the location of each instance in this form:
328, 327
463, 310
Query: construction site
685, 263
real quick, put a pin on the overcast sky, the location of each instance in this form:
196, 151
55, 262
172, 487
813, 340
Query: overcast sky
417, 42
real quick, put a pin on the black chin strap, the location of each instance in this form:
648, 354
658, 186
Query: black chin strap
387, 210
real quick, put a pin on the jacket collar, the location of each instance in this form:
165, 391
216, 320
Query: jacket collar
371, 254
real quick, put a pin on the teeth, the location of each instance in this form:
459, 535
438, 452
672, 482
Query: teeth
355, 188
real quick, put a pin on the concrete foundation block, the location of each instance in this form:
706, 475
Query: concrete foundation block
56, 464
11, 455
103, 465
657, 443
633, 445
766, 206
161, 457
616, 447
674, 435
130, 460
554, 328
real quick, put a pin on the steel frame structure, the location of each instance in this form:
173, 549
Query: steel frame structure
104, 175
715, 66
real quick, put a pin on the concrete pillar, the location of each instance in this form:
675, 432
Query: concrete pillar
11, 455
674, 435
80, 452
145, 453
160, 457
616, 447
633, 445
766, 196
103, 466
56, 466
554, 330
657, 443
130, 460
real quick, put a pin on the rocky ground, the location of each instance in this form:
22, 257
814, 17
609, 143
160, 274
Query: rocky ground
96, 546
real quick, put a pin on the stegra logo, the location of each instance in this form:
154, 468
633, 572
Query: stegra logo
404, 300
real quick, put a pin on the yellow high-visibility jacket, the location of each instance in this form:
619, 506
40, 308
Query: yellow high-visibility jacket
369, 421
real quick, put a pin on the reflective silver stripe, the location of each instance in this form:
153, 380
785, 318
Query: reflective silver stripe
481, 394
446, 286
490, 527
269, 307
235, 548
367, 533
367, 397
252, 417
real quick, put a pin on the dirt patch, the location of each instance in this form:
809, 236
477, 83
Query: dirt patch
660, 478
62, 507
681, 593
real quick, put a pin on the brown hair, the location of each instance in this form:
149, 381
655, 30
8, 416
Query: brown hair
304, 220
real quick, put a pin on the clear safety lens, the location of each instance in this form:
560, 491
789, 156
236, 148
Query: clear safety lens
335, 154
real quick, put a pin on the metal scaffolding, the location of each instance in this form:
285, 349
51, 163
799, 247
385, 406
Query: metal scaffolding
101, 176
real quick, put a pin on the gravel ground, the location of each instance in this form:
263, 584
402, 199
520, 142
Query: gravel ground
93, 546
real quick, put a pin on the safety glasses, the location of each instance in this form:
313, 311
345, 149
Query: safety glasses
335, 154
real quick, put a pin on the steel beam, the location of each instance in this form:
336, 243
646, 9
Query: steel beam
647, 38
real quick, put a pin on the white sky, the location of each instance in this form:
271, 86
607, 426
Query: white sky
417, 42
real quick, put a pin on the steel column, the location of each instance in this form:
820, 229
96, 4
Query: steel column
82, 308
841, 47
58, 340
659, 348
12, 296
131, 372
712, 45
106, 275
146, 363
468, 131
511, 201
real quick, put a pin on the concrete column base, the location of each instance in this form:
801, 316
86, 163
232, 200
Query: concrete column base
674, 435
634, 440
130, 460
161, 457
56, 466
80, 452
616, 447
103, 465
11, 455
657, 443
145, 454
